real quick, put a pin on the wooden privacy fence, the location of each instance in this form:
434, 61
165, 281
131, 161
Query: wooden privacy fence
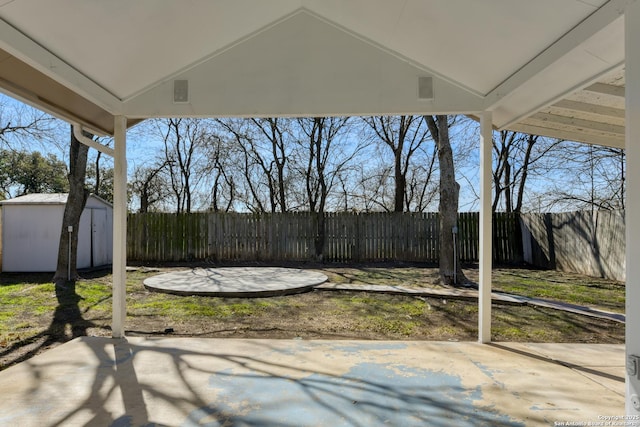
348, 237
590, 243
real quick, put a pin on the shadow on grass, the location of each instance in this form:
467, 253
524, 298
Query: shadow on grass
10, 279
379, 317
67, 323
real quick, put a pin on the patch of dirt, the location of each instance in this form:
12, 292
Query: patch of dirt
328, 315
368, 316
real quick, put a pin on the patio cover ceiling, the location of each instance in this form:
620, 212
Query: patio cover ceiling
547, 67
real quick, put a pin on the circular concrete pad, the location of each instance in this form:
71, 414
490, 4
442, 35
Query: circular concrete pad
236, 281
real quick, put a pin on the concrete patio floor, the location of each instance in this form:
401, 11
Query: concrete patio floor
93, 381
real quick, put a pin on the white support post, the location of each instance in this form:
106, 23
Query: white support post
119, 227
632, 207
486, 247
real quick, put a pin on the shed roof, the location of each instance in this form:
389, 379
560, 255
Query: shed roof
546, 67
46, 199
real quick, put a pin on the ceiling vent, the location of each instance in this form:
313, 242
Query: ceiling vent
180, 91
425, 87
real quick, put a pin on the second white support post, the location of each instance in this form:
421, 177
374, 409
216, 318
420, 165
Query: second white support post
486, 247
119, 228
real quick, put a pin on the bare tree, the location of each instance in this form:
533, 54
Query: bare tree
250, 160
596, 175
21, 124
403, 135
322, 158
450, 268
100, 175
421, 190
184, 140
263, 147
276, 132
223, 187
516, 156
148, 184
374, 193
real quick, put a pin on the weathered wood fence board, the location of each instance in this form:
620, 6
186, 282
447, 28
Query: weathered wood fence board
582, 242
348, 237
591, 243
507, 238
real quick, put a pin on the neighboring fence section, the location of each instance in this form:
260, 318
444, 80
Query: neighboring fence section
348, 237
581, 242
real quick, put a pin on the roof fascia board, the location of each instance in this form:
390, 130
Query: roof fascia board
25, 49
602, 17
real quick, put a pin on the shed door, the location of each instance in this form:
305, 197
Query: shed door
99, 241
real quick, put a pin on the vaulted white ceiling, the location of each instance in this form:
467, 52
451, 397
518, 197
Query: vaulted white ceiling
527, 61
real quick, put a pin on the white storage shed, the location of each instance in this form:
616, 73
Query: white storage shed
31, 227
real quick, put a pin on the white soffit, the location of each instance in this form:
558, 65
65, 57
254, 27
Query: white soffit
478, 44
126, 46
105, 58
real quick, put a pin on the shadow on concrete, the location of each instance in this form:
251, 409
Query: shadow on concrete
257, 391
564, 363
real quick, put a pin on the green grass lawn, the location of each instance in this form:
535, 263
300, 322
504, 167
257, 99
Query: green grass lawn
34, 317
608, 295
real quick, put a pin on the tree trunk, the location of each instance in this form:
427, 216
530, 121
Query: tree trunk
76, 201
401, 188
144, 199
96, 189
508, 185
450, 268
531, 140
